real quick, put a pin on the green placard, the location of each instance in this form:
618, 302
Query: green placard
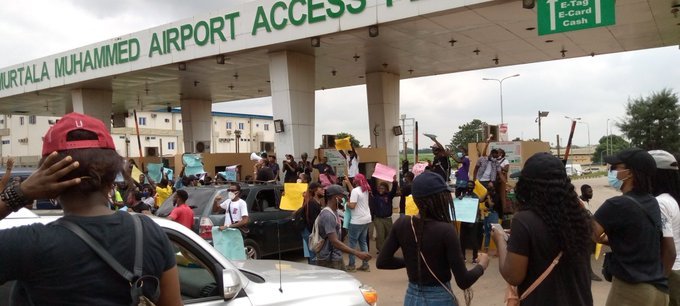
557, 16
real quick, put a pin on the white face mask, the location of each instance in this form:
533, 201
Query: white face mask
231, 195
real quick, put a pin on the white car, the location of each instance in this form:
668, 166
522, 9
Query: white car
208, 278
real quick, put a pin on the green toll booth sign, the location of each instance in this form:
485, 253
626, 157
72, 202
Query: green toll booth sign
557, 16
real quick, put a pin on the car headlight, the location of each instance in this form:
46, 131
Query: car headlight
370, 295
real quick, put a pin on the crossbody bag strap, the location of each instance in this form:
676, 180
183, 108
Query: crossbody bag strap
97, 248
229, 212
139, 246
639, 205
543, 276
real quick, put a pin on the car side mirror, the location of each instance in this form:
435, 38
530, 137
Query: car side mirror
231, 283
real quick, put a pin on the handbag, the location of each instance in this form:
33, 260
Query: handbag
511, 296
136, 279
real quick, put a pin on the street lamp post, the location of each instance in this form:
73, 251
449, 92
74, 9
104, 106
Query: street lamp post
500, 83
403, 134
540, 114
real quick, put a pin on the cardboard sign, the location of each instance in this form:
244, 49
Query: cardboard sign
154, 171
384, 173
466, 209
193, 164
292, 198
135, 174
230, 173
411, 208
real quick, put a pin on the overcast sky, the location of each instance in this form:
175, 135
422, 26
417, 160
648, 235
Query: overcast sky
592, 88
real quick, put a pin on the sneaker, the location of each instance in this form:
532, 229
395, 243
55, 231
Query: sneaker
350, 268
365, 268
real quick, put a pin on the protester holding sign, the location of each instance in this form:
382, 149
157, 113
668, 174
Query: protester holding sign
381, 209
550, 226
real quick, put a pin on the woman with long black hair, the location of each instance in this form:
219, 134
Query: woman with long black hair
430, 246
550, 226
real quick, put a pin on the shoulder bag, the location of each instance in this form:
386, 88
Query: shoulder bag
316, 242
135, 278
511, 296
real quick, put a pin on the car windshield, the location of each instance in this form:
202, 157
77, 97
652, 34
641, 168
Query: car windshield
198, 199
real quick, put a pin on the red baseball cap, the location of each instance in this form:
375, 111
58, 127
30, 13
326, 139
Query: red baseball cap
55, 138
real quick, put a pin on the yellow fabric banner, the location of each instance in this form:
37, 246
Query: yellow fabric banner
292, 198
343, 144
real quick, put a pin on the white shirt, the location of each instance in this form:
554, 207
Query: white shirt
353, 167
237, 209
670, 222
149, 201
361, 214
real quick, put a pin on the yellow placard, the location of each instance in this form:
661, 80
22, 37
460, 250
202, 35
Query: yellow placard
598, 250
292, 198
411, 208
479, 190
135, 173
343, 144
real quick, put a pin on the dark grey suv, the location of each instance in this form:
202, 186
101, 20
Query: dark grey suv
271, 229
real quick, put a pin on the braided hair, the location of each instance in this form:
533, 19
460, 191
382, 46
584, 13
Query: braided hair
555, 201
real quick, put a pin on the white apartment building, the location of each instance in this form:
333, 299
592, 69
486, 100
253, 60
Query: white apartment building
160, 134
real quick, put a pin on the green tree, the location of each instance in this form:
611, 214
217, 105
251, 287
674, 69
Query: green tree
353, 140
616, 143
653, 123
467, 133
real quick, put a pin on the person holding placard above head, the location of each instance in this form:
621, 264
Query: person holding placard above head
549, 246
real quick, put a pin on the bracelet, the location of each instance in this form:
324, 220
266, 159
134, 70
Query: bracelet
14, 197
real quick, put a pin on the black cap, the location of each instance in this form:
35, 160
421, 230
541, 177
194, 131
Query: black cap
542, 165
634, 158
428, 183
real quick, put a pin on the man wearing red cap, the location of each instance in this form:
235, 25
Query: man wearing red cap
78, 168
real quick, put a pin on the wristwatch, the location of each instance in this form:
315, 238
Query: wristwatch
13, 197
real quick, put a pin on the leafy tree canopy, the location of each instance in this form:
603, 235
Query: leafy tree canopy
468, 133
615, 143
653, 122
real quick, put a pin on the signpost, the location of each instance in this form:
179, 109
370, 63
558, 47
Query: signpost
557, 16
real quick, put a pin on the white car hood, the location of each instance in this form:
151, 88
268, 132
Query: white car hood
298, 280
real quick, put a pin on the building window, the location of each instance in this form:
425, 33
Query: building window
266, 126
228, 125
5, 142
167, 120
171, 145
31, 119
240, 126
21, 120
142, 120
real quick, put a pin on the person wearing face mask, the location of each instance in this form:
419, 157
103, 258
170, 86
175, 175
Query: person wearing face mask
236, 209
641, 257
330, 255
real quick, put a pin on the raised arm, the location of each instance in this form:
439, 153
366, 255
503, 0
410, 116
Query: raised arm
8, 174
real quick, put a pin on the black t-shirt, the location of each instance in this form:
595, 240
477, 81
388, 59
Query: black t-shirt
635, 241
265, 174
312, 211
58, 268
440, 247
442, 166
569, 282
405, 192
140, 207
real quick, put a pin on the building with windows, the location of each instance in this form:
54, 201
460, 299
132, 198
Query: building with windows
160, 134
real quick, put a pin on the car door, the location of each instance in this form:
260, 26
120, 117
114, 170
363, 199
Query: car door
273, 225
200, 274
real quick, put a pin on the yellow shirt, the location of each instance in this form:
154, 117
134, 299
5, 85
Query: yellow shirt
162, 194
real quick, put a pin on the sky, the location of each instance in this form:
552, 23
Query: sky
595, 89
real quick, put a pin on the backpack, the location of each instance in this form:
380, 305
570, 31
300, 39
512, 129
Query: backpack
316, 242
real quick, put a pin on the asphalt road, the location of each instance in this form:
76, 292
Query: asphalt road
490, 288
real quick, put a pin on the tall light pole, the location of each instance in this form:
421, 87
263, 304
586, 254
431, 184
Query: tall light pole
403, 134
540, 114
588, 128
500, 83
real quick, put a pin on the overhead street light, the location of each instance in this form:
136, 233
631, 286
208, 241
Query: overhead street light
500, 83
541, 114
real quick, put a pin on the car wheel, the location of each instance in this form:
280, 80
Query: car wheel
252, 249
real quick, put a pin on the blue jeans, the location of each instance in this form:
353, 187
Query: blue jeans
428, 296
309, 253
358, 233
490, 219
